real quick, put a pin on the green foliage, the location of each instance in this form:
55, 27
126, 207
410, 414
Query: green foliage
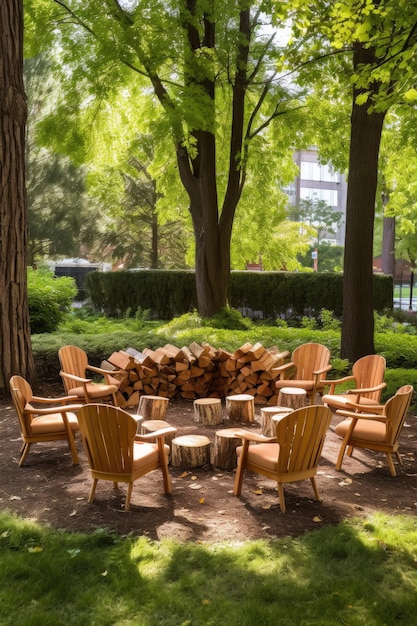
328, 320
362, 570
167, 294
229, 319
49, 299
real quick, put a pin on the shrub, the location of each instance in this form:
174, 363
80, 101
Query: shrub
50, 299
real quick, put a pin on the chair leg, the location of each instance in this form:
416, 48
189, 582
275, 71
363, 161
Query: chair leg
400, 461
128, 496
350, 450
114, 399
93, 490
163, 459
166, 478
237, 488
391, 464
23, 453
281, 497
73, 449
345, 443
315, 489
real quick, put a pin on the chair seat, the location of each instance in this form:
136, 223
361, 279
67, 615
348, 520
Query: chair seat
365, 430
52, 424
146, 453
95, 391
345, 401
265, 454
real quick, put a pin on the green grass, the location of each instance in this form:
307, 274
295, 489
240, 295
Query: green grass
357, 573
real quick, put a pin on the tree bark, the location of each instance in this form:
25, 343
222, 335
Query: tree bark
15, 340
358, 303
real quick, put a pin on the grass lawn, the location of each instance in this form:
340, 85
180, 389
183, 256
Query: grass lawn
356, 573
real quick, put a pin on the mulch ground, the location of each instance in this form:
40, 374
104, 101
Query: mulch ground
202, 508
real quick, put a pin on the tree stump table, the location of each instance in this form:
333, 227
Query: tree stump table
225, 444
150, 426
190, 451
153, 407
292, 398
208, 411
240, 407
267, 421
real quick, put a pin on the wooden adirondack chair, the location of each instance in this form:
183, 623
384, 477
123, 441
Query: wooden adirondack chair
74, 366
307, 369
292, 455
53, 423
116, 452
368, 378
375, 432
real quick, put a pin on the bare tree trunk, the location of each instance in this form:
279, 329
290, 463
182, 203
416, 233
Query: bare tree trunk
358, 303
15, 341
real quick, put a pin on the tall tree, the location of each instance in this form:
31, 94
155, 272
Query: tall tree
15, 341
194, 54
379, 40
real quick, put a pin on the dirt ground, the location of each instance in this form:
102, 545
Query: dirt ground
202, 508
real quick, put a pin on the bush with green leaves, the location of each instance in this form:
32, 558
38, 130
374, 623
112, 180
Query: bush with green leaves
50, 298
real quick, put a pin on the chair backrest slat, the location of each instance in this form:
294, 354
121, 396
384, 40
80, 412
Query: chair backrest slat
308, 358
369, 371
73, 360
108, 434
301, 437
396, 410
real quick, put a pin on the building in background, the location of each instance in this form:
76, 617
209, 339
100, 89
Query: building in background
319, 182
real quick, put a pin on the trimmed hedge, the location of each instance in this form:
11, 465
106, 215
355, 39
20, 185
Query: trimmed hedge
169, 293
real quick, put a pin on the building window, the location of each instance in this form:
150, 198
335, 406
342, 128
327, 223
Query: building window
330, 196
315, 171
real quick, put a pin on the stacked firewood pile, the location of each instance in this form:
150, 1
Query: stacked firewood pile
196, 371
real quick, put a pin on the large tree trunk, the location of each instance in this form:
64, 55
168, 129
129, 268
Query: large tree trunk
15, 340
358, 302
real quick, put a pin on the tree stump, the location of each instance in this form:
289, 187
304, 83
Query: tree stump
153, 407
225, 444
240, 407
190, 451
150, 426
267, 422
292, 397
208, 411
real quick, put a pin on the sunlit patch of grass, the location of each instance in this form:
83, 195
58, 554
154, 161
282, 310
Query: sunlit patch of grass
359, 572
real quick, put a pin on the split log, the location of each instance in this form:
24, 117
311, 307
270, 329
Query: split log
208, 411
190, 451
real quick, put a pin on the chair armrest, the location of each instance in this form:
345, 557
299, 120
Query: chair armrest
282, 368
360, 416
69, 408
157, 434
339, 381
359, 392
99, 370
355, 407
324, 369
78, 379
63, 399
249, 436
